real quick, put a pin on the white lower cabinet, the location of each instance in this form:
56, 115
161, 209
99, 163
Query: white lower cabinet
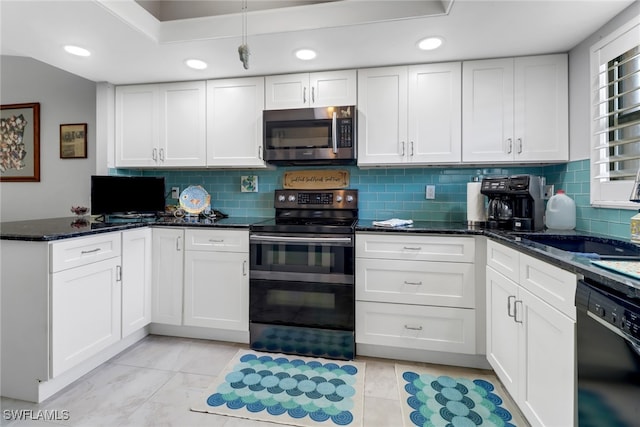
136, 280
530, 336
85, 312
167, 274
216, 285
416, 291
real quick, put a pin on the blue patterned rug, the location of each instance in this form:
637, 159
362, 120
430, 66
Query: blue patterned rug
435, 400
286, 389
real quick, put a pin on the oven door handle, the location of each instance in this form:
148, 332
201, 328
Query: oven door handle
292, 239
334, 131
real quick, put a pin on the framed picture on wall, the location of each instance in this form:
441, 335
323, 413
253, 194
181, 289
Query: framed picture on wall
20, 142
73, 141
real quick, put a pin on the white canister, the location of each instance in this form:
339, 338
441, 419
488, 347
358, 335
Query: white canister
561, 212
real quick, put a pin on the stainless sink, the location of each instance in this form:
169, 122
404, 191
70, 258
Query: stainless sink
589, 246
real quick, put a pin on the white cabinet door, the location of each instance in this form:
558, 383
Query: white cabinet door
333, 88
183, 124
234, 122
435, 113
136, 280
541, 108
382, 115
167, 282
502, 330
409, 114
137, 125
85, 312
216, 290
516, 109
487, 128
546, 388
161, 125
322, 89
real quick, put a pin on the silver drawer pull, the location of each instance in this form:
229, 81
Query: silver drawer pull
413, 283
412, 248
216, 240
509, 306
91, 251
413, 328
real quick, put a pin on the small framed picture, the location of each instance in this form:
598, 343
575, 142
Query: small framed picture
20, 142
249, 184
73, 141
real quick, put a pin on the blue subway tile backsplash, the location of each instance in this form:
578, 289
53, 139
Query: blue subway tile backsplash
387, 193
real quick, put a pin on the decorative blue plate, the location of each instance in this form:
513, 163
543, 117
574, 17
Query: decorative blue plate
194, 199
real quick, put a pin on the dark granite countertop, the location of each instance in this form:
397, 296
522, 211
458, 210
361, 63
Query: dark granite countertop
68, 227
62, 228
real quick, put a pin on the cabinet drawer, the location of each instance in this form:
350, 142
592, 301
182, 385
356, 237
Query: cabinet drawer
415, 247
83, 250
416, 282
555, 286
504, 260
417, 327
217, 240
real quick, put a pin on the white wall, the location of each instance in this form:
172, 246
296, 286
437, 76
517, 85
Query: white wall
64, 98
579, 87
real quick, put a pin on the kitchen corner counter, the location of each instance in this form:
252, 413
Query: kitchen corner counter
51, 229
432, 227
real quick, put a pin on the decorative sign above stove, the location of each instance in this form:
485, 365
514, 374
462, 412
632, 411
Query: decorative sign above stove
316, 179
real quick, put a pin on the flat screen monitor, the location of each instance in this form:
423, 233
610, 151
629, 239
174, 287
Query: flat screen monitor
127, 195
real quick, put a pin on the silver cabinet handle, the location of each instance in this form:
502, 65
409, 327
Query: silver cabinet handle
313, 94
216, 240
178, 245
402, 143
509, 306
260, 152
515, 311
519, 145
413, 283
510, 142
412, 149
412, 248
244, 267
334, 131
413, 328
118, 273
90, 252
154, 154
162, 154
304, 95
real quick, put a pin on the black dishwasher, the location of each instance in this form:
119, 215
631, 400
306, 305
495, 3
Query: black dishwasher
608, 357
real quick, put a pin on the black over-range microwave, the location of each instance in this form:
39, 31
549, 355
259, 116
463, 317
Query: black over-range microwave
325, 135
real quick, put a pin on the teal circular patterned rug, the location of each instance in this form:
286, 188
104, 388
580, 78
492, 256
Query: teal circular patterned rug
289, 389
441, 401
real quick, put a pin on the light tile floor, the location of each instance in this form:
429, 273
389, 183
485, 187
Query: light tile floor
154, 383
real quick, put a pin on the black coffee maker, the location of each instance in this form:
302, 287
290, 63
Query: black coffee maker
515, 202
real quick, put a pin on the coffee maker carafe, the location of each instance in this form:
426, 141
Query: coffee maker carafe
515, 202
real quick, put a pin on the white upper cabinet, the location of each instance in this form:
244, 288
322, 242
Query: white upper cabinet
409, 115
234, 122
161, 125
322, 89
516, 110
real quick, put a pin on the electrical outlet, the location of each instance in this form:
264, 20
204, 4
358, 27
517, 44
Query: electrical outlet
175, 192
548, 191
430, 192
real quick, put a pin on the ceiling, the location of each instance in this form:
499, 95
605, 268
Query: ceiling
131, 45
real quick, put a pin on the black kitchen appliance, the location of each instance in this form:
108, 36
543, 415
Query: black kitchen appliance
324, 135
608, 356
515, 202
302, 263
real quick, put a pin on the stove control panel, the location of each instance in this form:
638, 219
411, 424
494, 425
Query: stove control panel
316, 199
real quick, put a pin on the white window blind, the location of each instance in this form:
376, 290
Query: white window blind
615, 158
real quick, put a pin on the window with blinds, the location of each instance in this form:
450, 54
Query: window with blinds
615, 159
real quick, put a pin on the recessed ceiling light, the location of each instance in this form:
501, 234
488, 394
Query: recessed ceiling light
430, 43
76, 50
305, 54
196, 64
